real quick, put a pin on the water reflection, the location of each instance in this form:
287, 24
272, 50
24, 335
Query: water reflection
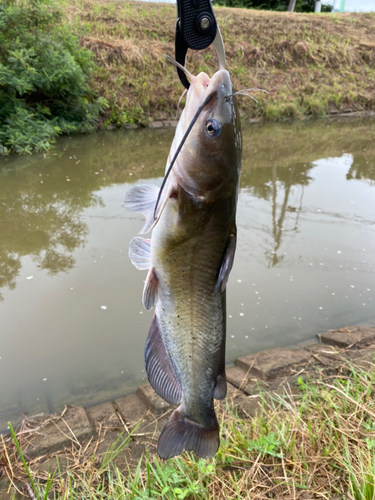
363, 170
42, 223
43, 196
266, 183
61, 224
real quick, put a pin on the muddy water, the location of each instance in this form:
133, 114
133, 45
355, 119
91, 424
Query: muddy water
72, 325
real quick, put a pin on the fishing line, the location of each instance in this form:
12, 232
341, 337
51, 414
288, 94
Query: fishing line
200, 109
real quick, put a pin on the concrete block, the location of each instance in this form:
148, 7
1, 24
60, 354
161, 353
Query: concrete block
104, 416
156, 124
292, 347
57, 432
272, 363
129, 454
154, 402
55, 464
249, 406
131, 408
307, 343
365, 358
253, 406
237, 376
324, 353
11, 493
232, 392
352, 336
170, 123
289, 383
4, 483
256, 387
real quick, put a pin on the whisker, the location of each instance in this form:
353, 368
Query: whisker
244, 92
178, 65
249, 90
179, 101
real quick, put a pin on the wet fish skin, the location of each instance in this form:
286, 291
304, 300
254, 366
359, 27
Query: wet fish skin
190, 256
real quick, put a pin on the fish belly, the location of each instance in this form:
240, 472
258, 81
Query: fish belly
191, 318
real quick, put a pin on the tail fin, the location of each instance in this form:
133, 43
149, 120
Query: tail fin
181, 434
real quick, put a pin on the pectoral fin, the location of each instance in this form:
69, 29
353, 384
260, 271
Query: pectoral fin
226, 264
150, 290
142, 199
158, 366
140, 253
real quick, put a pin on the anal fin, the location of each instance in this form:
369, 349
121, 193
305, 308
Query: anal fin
158, 367
220, 390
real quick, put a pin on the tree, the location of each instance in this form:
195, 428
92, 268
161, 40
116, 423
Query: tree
291, 6
44, 77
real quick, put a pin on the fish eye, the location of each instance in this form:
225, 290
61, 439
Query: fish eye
213, 128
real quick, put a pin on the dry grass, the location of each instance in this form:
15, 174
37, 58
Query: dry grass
315, 441
311, 64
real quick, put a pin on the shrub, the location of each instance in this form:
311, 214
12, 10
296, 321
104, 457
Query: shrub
44, 77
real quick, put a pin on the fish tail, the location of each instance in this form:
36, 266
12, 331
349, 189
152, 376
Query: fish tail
181, 434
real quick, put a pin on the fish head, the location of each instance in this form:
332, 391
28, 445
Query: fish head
211, 157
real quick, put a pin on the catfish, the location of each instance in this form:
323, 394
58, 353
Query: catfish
189, 257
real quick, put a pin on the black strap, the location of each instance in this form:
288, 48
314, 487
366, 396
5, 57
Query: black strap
196, 29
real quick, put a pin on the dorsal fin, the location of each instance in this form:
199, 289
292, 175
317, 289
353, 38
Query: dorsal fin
158, 367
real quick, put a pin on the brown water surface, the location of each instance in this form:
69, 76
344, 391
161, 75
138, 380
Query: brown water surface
72, 324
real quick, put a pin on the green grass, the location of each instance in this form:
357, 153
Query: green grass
311, 64
315, 441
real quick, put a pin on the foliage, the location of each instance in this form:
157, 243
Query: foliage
44, 77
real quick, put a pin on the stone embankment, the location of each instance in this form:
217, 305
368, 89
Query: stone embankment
77, 436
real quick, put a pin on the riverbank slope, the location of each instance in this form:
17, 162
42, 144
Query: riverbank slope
311, 64
297, 423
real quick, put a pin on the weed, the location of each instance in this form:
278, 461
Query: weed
317, 441
295, 58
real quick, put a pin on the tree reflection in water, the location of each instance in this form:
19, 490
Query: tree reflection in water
274, 184
42, 197
38, 223
277, 157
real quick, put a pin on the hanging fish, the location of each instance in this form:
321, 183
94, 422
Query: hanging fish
189, 258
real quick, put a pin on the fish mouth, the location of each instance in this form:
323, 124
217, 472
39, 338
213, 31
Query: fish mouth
219, 86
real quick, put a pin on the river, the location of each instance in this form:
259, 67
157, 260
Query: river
72, 324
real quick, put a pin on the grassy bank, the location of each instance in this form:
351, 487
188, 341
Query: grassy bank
311, 64
315, 441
